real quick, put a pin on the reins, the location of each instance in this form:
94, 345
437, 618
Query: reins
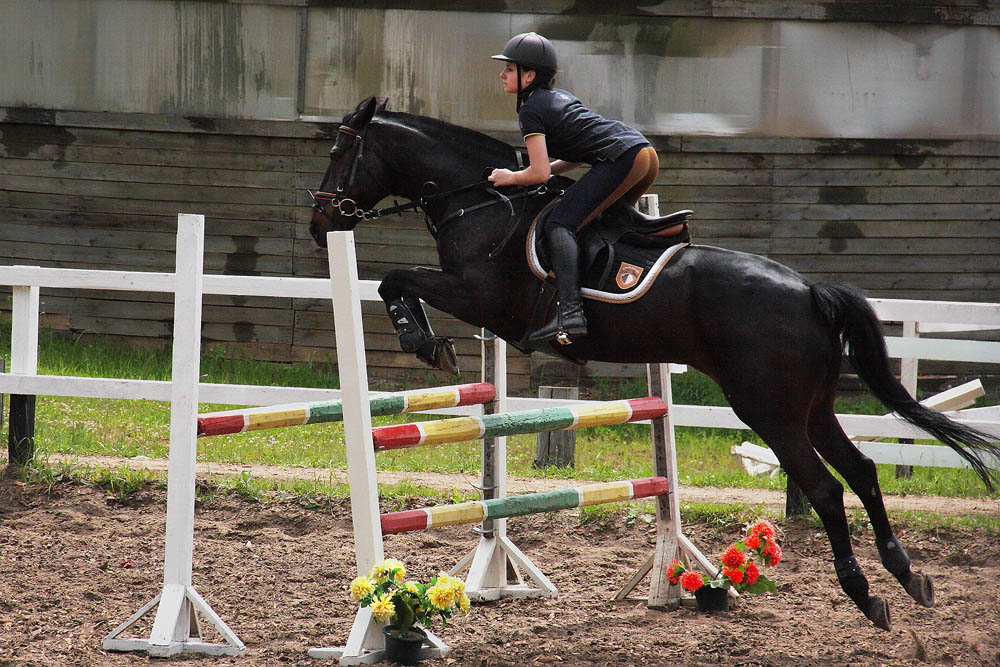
348, 207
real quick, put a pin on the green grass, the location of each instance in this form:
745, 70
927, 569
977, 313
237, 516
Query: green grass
121, 428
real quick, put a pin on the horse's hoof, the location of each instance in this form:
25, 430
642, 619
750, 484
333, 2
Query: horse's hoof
921, 588
449, 358
878, 613
439, 352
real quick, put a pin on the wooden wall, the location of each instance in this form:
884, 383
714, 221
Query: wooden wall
900, 219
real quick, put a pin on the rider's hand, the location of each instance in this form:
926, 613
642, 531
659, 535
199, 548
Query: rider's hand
502, 178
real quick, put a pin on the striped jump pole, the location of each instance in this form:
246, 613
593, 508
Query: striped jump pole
298, 414
513, 423
477, 511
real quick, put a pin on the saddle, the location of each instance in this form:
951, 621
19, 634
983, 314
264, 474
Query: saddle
621, 252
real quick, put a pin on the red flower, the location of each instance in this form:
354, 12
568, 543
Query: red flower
764, 528
734, 575
753, 541
733, 557
752, 574
773, 553
691, 581
675, 571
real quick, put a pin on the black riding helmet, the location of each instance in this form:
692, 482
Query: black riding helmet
530, 51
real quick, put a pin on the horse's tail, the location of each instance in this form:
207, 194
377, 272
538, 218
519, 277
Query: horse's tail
857, 326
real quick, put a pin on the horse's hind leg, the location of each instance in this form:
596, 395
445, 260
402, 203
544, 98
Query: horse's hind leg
826, 494
830, 441
781, 419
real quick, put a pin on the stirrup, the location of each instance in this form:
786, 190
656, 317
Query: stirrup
557, 330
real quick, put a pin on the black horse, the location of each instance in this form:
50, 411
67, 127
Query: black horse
771, 339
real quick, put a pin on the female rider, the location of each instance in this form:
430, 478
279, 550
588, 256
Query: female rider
555, 123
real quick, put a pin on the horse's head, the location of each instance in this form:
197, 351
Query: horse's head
354, 181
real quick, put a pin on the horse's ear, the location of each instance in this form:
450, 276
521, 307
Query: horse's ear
382, 106
364, 113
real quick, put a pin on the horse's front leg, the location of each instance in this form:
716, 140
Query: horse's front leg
402, 290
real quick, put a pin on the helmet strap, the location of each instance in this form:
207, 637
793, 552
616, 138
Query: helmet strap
518, 65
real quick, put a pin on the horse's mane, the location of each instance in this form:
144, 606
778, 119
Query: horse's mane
467, 143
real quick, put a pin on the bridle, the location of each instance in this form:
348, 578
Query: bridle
348, 207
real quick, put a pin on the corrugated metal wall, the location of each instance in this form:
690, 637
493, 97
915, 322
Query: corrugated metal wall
680, 74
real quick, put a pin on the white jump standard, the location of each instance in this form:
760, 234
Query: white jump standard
365, 643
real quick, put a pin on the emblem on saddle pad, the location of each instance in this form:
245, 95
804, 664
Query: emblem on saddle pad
628, 275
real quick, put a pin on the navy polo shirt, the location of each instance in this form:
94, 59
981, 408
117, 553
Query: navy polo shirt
573, 132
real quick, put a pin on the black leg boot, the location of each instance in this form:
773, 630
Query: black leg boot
568, 320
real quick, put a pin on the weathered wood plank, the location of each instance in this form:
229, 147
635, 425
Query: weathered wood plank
894, 162
826, 147
747, 177
711, 161
223, 210
161, 175
187, 194
782, 212
83, 154
126, 259
189, 128
838, 195
914, 249
934, 178
53, 223
93, 237
972, 282
890, 264
916, 229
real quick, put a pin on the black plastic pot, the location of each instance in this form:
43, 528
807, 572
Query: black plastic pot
712, 599
403, 648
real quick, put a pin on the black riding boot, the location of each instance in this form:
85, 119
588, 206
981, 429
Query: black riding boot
564, 254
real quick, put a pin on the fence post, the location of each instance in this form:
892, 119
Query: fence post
21, 430
649, 204
24, 361
796, 503
908, 376
556, 448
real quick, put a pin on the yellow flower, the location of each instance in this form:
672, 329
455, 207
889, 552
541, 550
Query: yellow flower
393, 564
361, 587
457, 586
441, 597
464, 604
383, 608
412, 587
380, 571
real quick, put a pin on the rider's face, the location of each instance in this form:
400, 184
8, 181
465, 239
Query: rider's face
509, 78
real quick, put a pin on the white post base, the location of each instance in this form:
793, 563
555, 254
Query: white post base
490, 564
674, 544
176, 628
366, 645
671, 543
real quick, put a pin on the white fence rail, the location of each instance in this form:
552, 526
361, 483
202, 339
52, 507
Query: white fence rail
27, 282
